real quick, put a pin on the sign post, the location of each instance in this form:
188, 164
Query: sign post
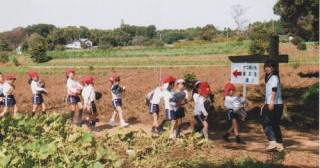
245, 73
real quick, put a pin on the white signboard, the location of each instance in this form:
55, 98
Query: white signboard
245, 73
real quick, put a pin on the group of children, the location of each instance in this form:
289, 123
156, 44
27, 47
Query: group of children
175, 97
75, 90
172, 91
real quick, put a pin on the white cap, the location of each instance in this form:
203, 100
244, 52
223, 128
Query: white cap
198, 82
180, 81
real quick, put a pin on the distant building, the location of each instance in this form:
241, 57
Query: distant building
76, 44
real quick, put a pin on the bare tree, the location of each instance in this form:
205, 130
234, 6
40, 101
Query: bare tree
238, 14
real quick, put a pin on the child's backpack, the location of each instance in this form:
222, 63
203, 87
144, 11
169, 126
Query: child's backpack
98, 95
177, 97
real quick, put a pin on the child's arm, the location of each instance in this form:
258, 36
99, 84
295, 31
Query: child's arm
203, 109
35, 87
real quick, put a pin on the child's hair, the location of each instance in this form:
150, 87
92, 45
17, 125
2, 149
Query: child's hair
273, 64
29, 81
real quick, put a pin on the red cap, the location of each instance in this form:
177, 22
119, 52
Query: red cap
227, 87
11, 76
168, 79
87, 79
204, 85
33, 74
204, 91
70, 70
114, 78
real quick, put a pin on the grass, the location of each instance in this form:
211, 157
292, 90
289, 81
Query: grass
175, 51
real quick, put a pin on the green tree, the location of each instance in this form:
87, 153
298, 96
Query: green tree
299, 17
38, 48
4, 45
208, 32
42, 29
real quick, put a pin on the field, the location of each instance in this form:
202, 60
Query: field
300, 135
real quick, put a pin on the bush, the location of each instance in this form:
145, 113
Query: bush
15, 62
104, 46
39, 53
301, 46
311, 96
256, 48
295, 40
190, 79
4, 57
60, 48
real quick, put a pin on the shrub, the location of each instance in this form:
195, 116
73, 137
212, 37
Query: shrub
295, 40
39, 54
4, 57
190, 79
256, 48
104, 46
15, 62
60, 48
301, 46
311, 96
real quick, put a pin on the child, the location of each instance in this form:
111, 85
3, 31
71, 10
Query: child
74, 89
200, 112
116, 91
89, 96
231, 102
182, 96
153, 99
37, 91
170, 106
1, 90
9, 100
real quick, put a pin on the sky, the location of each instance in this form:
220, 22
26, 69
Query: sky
107, 14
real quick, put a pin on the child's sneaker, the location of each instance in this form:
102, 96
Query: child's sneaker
280, 147
172, 136
123, 124
112, 123
226, 137
272, 145
239, 141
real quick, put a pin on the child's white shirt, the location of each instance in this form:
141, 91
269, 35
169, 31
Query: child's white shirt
35, 87
7, 89
157, 95
199, 107
88, 95
233, 102
73, 86
167, 95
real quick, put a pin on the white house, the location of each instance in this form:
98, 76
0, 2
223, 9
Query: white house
76, 44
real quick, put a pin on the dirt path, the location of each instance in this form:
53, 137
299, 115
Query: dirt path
301, 148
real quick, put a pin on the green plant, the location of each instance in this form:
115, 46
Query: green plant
4, 56
60, 47
311, 96
256, 48
190, 79
15, 61
301, 46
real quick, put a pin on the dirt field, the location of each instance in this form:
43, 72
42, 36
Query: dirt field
301, 141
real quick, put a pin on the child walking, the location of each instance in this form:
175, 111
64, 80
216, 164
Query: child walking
200, 113
9, 100
153, 101
169, 104
182, 99
37, 91
232, 103
1, 90
74, 89
89, 96
116, 91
